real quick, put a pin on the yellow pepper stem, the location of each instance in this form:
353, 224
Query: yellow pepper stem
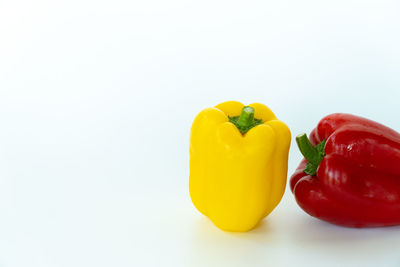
246, 120
246, 117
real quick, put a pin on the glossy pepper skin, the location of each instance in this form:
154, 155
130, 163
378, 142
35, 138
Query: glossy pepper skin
237, 179
357, 183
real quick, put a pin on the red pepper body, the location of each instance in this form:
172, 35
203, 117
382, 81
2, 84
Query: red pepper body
357, 183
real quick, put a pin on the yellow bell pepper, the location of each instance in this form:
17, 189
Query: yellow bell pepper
238, 164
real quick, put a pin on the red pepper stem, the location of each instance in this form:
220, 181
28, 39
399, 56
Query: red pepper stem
309, 152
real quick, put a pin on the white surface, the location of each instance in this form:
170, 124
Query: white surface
96, 103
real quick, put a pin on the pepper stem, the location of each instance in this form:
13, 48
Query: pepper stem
246, 120
313, 154
246, 117
309, 152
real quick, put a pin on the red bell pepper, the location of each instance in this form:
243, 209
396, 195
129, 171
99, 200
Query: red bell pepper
351, 172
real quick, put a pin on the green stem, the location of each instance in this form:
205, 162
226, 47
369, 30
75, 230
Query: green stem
246, 120
309, 152
246, 117
313, 154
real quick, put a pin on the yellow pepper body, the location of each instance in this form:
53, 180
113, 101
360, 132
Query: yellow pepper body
237, 179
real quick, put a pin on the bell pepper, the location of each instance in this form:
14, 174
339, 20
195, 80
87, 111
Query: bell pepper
238, 164
351, 172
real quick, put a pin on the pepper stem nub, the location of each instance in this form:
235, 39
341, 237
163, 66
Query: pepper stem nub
246, 117
313, 154
246, 120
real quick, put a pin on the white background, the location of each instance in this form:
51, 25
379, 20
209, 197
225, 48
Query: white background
96, 103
